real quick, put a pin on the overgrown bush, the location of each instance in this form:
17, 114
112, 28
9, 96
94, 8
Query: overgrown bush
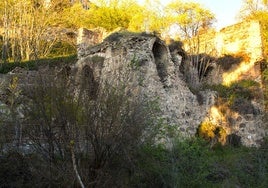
179, 165
191, 163
15, 170
196, 68
238, 95
65, 128
212, 133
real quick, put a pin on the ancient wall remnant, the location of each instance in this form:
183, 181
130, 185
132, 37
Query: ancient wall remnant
86, 38
144, 63
161, 58
242, 43
243, 37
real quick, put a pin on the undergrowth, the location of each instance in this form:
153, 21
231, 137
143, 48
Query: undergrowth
187, 163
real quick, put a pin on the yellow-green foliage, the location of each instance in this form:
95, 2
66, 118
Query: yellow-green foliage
190, 16
239, 94
208, 131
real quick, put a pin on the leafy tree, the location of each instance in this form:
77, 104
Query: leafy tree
74, 16
251, 8
190, 17
113, 14
96, 125
149, 17
25, 26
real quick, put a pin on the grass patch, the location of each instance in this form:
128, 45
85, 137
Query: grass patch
238, 96
191, 163
34, 64
243, 89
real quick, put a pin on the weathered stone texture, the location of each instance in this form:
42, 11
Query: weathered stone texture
241, 39
144, 64
87, 38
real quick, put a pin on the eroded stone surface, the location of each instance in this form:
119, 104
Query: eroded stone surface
144, 63
147, 64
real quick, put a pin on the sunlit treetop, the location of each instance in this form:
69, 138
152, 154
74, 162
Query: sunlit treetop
190, 17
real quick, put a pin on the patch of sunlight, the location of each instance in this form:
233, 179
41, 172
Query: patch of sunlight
214, 127
232, 47
215, 120
230, 77
215, 115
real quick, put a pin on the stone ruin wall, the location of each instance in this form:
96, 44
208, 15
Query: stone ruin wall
179, 105
86, 38
241, 39
249, 127
154, 75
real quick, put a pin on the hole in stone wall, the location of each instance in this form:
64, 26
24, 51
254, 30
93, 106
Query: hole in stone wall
161, 60
89, 84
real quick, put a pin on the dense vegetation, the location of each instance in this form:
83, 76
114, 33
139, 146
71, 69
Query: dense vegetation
186, 164
105, 139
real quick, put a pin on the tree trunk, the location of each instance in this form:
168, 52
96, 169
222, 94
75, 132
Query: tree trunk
75, 168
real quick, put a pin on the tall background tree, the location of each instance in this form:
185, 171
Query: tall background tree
190, 18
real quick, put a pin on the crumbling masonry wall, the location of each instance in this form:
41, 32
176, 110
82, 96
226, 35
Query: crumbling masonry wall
243, 39
153, 74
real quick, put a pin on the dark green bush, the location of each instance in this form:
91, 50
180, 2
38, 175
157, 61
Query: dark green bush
188, 163
14, 171
242, 89
182, 164
238, 95
191, 163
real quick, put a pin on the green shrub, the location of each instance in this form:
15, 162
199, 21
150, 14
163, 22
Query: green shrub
14, 171
243, 89
238, 95
183, 164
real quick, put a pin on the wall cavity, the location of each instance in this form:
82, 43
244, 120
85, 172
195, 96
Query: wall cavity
161, 60
89, 84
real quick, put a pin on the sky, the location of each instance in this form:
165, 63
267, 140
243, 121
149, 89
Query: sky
225, 11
